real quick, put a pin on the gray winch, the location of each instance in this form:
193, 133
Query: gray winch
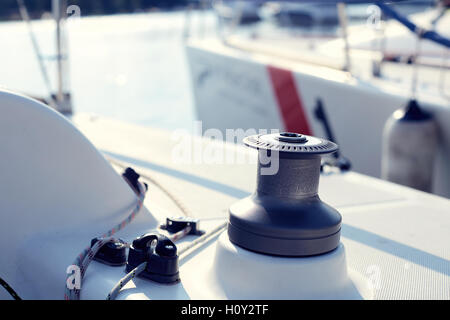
285, 215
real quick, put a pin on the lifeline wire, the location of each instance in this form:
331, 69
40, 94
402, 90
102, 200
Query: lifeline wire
136, 271
426, 34
84, 258
25, 16
178, 203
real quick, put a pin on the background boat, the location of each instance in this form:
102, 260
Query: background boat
262, 85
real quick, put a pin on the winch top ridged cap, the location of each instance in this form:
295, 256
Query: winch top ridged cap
291, 142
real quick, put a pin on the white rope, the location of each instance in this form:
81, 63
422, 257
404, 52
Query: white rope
122, 282
84, 258
415, 67
197, 242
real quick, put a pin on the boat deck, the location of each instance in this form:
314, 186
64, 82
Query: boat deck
395, 236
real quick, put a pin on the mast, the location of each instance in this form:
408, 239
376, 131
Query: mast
62, 95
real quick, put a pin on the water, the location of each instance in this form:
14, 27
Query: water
130, 67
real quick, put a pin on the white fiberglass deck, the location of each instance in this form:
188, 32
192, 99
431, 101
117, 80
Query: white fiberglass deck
395, 236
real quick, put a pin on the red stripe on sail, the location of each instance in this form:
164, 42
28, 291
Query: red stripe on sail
289, 101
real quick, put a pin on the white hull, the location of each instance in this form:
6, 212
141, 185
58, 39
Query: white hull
251, 87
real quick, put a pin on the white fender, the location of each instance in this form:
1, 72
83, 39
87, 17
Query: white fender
410, 148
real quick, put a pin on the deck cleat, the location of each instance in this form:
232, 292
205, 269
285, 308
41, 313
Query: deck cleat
160, 254
112, 253
176, 224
